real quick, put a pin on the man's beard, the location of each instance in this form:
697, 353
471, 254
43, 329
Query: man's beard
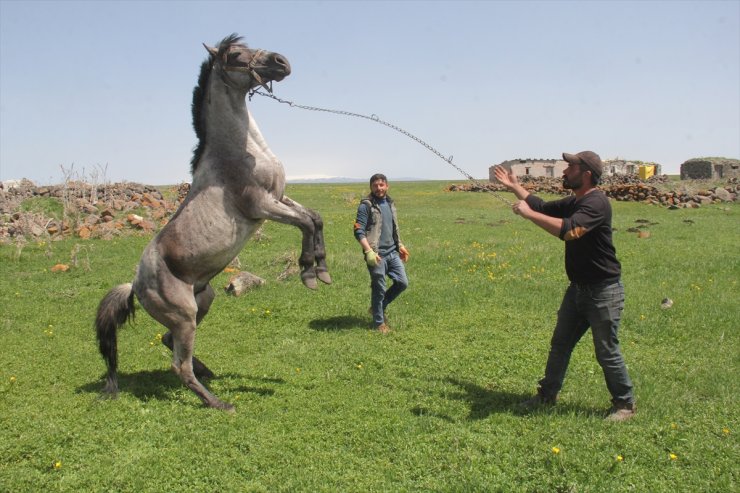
572, 185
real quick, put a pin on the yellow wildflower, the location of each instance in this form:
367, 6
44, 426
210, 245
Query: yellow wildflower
672, 456
555, 450
619, 458
57, 465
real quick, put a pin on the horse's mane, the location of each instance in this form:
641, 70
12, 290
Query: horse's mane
199, 95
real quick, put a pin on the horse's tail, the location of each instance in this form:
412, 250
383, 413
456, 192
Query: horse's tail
114, 310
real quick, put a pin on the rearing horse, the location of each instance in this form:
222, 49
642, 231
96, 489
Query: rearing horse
238, 183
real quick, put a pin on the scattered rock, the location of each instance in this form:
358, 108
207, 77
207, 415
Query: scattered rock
243, 282
84, 232
723, 194
134, 219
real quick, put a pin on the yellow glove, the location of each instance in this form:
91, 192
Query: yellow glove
403, 253
371, 258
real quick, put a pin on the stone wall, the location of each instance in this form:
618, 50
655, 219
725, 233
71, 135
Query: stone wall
88, 211
710, 169
628, 188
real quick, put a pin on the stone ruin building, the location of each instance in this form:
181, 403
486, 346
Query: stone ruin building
553, 168
710, 168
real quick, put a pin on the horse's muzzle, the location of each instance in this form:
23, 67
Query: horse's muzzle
282, 66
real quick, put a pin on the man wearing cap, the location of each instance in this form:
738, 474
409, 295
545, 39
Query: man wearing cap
595, 295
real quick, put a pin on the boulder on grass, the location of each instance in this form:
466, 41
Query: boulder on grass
243, 282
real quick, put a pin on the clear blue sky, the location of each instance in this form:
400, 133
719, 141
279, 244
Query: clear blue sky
109, 83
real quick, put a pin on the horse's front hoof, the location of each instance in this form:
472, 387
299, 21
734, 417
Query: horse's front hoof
111, 387
323, 276
224, 406
108, 396
308, 277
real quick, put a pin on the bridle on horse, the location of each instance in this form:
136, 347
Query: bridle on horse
250, 69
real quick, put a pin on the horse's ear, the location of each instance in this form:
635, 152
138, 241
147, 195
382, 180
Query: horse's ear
212, 51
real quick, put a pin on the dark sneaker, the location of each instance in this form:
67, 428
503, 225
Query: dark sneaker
538, 401
383, 329
621, 411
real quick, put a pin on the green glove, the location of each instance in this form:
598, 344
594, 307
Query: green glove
371, 258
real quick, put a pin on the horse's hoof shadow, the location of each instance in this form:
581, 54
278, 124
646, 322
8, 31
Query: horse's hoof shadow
158, 385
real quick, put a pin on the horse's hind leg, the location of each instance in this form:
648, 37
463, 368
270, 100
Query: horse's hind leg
176, 308
203, 299
182, 364
200, 369
174, 303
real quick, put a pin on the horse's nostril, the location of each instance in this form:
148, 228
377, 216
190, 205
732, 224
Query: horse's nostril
281, 60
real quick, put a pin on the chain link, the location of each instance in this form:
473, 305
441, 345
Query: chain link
375, 119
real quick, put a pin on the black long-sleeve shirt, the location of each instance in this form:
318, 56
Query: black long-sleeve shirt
590, 256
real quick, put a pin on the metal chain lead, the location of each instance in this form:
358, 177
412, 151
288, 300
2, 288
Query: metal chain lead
375, 119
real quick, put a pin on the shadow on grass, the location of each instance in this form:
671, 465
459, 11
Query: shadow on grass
343, 322
483, 402
251, 389
158, 384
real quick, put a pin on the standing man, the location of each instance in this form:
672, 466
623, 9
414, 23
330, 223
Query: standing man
376, 229
595, 296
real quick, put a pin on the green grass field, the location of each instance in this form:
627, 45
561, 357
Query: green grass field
325, 404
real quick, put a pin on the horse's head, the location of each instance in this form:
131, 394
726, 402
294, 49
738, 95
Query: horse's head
246, 68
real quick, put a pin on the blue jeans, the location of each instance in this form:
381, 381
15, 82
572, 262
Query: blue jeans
390, 265
598, 306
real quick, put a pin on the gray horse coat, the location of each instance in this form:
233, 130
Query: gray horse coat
238, 183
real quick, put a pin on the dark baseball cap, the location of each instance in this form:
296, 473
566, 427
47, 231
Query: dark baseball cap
589, 160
